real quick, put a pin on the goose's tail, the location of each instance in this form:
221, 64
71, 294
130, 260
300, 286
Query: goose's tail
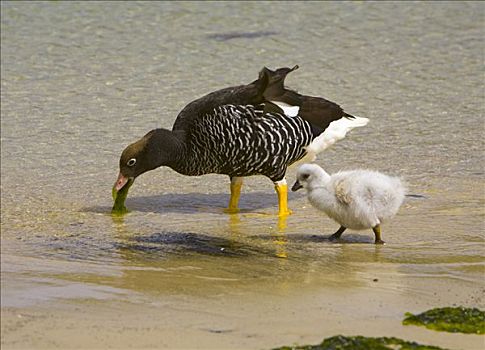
334, 132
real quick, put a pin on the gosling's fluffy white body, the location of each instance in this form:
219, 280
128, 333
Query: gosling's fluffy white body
356, 199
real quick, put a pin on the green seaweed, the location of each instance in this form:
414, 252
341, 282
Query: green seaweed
341, 342
450, 319
119, 198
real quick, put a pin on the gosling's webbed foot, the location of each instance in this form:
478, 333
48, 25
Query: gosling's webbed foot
377, 233
336, 235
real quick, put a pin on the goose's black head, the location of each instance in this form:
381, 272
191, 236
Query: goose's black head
153, 150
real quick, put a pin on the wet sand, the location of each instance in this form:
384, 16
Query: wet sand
251, 321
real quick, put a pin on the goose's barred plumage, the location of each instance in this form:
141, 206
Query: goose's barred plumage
242, 131
243, 141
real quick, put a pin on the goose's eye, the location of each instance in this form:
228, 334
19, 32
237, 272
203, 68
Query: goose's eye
131, 162
305, 176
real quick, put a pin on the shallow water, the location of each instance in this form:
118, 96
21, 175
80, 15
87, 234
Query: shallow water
82, 80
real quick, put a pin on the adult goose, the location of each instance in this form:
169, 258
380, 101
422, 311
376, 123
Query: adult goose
256, 129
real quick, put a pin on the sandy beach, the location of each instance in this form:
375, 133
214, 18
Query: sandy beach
249, 321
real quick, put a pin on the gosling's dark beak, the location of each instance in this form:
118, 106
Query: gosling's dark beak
296, 186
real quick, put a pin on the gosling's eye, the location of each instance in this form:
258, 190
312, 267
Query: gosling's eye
131, 162
305, 176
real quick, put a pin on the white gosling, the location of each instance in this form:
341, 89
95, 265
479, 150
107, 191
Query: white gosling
356, 199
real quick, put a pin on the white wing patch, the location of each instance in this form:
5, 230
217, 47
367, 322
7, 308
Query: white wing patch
290, 111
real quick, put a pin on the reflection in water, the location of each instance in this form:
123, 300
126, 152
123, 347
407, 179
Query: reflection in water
119, 225
230, 259
279, 237
235, 243
238, 253
241, 254
277, 233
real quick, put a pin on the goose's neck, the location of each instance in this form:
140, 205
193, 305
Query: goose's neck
162, 148
179, 151
174, 145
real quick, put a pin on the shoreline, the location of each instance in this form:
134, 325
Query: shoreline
247, 321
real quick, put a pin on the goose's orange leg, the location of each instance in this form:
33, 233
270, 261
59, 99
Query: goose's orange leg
281, 188
236, 184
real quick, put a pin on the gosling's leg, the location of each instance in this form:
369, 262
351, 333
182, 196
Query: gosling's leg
236, 184
377, 233
337, 234
281, 188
